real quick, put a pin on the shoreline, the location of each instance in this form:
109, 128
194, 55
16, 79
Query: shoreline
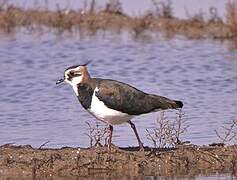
111, 18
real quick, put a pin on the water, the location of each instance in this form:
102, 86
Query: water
34, 110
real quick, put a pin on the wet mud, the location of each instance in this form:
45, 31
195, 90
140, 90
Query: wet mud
68, 162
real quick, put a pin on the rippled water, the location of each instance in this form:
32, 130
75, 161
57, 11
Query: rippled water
33, 110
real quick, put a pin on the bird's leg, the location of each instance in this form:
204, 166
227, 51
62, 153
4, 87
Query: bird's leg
135, 131
110, 136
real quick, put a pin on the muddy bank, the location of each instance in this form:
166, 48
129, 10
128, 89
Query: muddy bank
112, 18
78, 162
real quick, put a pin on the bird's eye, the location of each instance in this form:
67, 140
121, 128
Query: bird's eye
74, 73
71, 73
77, 74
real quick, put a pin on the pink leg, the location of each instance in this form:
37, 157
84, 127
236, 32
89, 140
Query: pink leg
135, 131
110, 136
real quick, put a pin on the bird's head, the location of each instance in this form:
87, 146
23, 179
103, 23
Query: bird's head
75, 75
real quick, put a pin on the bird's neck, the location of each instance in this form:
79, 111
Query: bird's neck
86, 78
87, 84
75, 89
85, 92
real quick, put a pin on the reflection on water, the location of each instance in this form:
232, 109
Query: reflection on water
34, 110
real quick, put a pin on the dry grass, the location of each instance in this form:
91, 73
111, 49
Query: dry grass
167, 133
231, 13
97, 134
112, 18
228, 133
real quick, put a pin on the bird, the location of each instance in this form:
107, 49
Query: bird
113, 102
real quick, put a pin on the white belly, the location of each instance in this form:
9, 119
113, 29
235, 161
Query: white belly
105, 114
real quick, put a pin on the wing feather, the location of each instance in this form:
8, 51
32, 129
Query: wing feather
127, 99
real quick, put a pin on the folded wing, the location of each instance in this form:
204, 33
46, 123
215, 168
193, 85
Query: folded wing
127, 99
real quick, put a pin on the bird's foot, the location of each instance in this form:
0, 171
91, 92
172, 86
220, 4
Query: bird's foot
141, 148
111, 147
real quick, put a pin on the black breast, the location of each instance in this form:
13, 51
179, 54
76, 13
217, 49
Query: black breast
85, 95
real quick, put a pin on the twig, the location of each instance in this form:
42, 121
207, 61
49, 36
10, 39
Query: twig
96, 134
42, 145
167, 134
229, 134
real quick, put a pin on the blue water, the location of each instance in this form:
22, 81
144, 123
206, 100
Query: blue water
34, 110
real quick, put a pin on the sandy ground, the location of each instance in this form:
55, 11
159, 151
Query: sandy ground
98, 162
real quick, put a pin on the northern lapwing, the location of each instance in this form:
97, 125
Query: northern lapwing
113, 102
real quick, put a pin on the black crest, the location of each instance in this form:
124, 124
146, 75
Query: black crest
75, 66
86, 63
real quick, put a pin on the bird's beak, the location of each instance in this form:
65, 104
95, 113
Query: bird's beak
59, 81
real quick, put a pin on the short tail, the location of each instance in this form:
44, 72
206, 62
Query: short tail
165, 103
179, 104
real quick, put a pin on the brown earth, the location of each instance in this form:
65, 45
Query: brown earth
97, 162
91, 21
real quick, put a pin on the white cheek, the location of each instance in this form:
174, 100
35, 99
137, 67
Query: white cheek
75, 81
